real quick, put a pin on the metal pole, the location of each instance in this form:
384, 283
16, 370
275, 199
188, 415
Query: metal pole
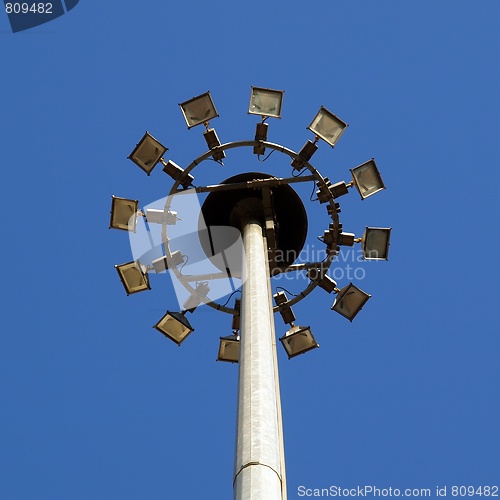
259, 466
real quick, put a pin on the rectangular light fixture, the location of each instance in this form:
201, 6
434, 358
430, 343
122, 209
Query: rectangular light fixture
367, 179
147, 153
375, 242
298, 340
133, 277
327, 126
175, 326
123, 214
229, 349
349, 301
265, 102
198, 110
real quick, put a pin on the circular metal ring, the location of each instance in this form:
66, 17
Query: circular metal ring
320, 180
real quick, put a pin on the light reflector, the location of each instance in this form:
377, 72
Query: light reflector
327, 126
133, 277
298, 340
367, 179
147, 153
175, 326
349, 301
198, 110
266, 102
123, 214
229, 349
376, 241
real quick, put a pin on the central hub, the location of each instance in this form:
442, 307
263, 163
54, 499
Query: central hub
278, 209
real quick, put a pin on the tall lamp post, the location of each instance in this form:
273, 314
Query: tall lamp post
271, 220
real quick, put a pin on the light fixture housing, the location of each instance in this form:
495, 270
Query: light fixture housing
236, 317
367, 179
286, 312
123, 214
177, 173
175, 326
198, 110
162, 263
229, 348
133, 276
156, 216
147, 153
349, 301
298, 340
375, 243
265, 102
327, 126
213, 142
305, 154
324, 281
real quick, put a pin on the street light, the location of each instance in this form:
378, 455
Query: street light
123, 214
327, 126
367, 179
271, 222
229, 348
175, 326
265, 102
198, 110
133, 276
147, 153
298, 340
376, 241
349, 301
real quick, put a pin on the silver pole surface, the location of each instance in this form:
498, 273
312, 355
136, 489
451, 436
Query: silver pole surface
259, 465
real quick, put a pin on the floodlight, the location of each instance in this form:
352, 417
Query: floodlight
198, 110
162, 264
177, 173
298, 340
147, 153
327, 126
367, 179
266, 102
175, 326
376, 241
155, 216
350, 301
198, 297
133, 276
123, 214
324, 281
229, 348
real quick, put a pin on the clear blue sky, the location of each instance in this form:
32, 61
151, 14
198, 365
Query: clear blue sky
94, 402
